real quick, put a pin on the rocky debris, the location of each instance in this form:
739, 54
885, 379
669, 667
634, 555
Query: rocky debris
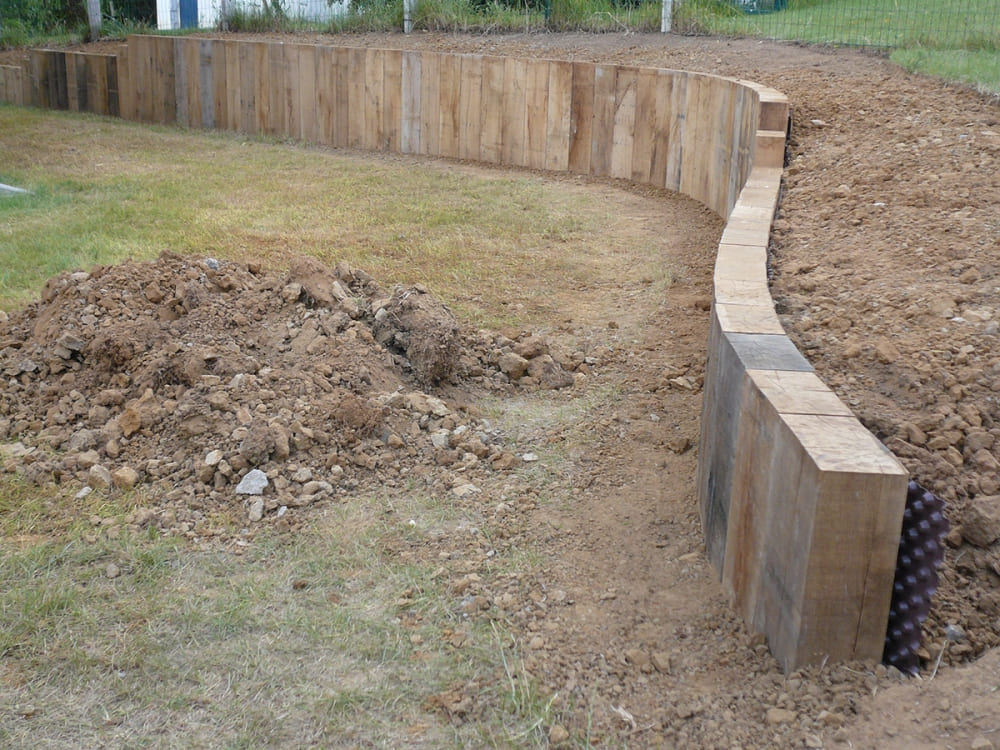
981, 525
255, 511
254, 482
558, 734
780, 716
421, 329
125, 477
206, 382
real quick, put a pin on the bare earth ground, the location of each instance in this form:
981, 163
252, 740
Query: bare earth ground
885, 274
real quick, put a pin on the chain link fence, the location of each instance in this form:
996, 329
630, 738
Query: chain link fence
942, 24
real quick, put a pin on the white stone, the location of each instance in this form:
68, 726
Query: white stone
253, 483
256, 511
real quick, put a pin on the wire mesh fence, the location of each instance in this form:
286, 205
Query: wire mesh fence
943, 24
940, 24
134, 11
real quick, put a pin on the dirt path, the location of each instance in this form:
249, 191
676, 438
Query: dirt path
883, 262
884, 273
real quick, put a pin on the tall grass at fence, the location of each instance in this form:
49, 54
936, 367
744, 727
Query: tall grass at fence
268, 18
480, 16
978, 68
604, 15
953, 39
936, 24
14, 33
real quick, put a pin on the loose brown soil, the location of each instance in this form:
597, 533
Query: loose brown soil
885, 275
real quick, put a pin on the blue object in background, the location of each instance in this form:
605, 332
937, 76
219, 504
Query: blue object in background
189, 14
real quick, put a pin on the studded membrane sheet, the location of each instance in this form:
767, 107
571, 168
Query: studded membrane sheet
920, 555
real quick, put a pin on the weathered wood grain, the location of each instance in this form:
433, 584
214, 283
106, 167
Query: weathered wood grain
12, 85
261, 87
325, 77
471, 107
559, 116
678, 127
536, 93
343, 60
491, 116
431, 112
165, 103
513, 112
308, 92
602, 137
644, 134
374, 93
412, 92
581, 118
357, 107
623, 129
126, 94
392, 100
451, 102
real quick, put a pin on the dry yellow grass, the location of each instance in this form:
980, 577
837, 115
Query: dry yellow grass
106, 191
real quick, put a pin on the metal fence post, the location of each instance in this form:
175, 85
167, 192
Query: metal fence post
94, 17
408, 16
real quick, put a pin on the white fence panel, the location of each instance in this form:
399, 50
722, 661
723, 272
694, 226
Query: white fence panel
168, 14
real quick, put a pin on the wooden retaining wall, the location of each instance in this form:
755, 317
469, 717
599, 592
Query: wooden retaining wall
13, 84
801, 506
76, 81
632, 123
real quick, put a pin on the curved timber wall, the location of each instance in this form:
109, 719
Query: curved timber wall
801, 506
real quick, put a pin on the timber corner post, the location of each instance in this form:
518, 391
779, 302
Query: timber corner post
801, 506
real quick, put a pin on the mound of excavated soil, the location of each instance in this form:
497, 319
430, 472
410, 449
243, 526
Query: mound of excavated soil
214, 386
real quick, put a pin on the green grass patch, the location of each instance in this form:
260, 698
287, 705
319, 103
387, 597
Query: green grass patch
321, 638
105, 191
28, 511
604, 15
951, 24
978, 68
954, 39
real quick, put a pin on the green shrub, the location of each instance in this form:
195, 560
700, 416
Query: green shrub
43, 16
